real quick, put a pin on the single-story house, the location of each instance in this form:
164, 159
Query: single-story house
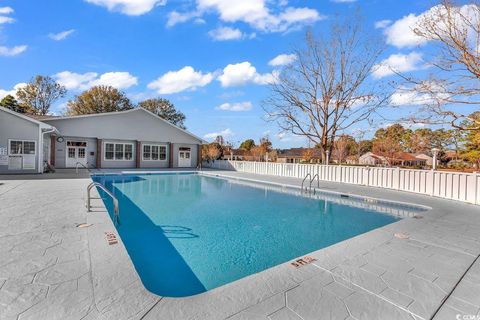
371, 159
135, 138
428, 159
237, 154
298, 155
400, 159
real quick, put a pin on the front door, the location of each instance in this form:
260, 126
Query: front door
76, 153
184, 159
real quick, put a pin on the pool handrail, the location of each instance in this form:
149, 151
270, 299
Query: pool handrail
313, 179
89, 169
116, 213
78, 164
308, 175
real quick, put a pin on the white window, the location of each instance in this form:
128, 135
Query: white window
118, 151
109, 151
154, 152
22, 147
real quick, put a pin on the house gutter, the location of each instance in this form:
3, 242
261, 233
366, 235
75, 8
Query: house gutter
42, 136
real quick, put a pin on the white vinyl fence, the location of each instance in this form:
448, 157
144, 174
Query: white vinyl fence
450, 185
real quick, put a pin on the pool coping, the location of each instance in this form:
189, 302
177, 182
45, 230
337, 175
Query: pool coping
329, 192
245, 293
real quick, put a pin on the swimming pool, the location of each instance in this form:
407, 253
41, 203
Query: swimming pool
188, 233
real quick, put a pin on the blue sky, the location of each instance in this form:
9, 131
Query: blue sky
211, 58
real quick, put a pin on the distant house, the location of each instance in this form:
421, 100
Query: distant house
351, 160
237, 154
428, 159
298, 155
450, 155
134, 138
400, 159
371, 159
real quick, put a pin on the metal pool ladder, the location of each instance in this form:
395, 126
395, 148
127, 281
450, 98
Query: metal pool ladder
116, 214
312, 180
308, 175
79, 164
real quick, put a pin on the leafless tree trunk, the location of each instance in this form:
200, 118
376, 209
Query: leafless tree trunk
454, 85
326, 91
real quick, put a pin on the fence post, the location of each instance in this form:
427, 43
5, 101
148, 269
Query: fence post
398, 178
368, 176
432, 176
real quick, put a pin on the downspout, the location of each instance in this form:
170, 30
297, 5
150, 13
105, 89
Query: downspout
40, 154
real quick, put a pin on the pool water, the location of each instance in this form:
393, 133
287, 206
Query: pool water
189, 233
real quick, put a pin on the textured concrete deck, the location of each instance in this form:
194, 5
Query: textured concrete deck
50, 269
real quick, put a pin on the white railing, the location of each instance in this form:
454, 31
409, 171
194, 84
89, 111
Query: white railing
459, 186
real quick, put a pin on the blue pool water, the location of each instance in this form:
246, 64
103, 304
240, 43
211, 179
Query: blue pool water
189, 233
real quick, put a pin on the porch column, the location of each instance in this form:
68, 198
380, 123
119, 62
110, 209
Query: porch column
199, 155
138, 146
170, 155
52, 150
99, 153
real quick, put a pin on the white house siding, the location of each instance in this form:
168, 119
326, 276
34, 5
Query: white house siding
118, 163
193, 153
136, 126
427, 158
154, 163
61, 151
16, 128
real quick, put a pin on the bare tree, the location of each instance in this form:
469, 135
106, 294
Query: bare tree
455, 33
343, 147
39, 94
326, 89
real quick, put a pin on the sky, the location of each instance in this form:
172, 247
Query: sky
212, 58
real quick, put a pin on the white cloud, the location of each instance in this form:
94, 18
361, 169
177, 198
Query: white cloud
77, 81
253, 12
225, 33
401, 33
129, 7
288, 137
282, 59
398, 63
405, 124
176, 17
382, 24
6, 20
239, 106
13, 92
6, 10
61, 35
413, 96
12, 51
177, 81
224, 133
119, 80
243, 73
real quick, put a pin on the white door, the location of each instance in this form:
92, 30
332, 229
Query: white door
184, 159
76, 153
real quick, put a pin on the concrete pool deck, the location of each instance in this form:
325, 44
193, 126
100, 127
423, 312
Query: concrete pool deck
51, 269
